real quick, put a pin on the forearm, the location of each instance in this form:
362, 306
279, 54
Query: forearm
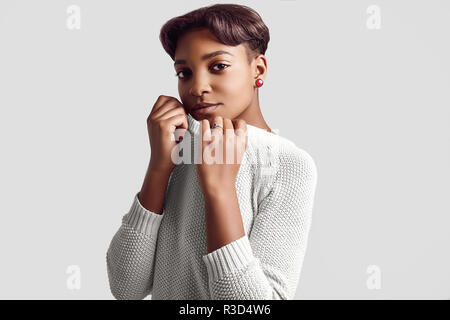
153, 190
223, 218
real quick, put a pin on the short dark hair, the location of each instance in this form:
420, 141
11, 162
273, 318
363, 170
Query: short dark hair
232, 24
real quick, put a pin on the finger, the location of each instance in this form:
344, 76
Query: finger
241, 133
219, 121
217, 133
160, 102
228, 124
169, 105
229, 140
206, 133
179, 120
172, 112
240, 127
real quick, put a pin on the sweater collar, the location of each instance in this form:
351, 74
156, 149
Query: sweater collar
194, 126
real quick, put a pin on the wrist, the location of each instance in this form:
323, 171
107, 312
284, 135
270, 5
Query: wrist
160, 172
219, 192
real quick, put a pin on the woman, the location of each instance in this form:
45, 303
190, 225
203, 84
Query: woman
215, 229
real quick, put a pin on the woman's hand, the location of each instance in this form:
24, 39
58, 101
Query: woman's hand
167, 114
222, 153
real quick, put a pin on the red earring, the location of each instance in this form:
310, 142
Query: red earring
259, 82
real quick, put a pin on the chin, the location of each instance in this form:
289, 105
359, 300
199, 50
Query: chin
210, 117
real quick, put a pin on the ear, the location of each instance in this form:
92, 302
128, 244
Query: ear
260, 67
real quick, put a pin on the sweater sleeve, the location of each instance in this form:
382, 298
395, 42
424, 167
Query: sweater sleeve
266, 264
131, 253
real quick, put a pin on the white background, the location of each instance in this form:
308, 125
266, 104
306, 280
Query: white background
371, 106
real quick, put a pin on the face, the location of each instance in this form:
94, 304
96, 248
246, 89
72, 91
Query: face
226, 79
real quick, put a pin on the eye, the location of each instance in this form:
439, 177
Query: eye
178, 74
221, 64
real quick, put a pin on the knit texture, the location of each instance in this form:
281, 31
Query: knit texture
165, 255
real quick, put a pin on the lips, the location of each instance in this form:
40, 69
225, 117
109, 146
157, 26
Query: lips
204, 105
205, 109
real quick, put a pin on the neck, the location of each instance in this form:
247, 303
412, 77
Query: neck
253, 116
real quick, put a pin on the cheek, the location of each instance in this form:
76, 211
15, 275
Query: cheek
235, 84
181, 87
183, 91
237, 94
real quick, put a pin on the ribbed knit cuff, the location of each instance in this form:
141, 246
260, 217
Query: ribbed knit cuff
143, 220
229, 258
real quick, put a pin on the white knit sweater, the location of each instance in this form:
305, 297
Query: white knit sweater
164, 255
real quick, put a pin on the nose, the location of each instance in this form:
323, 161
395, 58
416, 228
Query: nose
200, 85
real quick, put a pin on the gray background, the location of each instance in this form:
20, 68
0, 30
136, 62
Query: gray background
370, 106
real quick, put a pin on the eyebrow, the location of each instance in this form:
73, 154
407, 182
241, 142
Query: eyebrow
204, 57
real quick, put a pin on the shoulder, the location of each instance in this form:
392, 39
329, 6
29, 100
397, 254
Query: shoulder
293, 163
292, 156
292, 182
282, 154
281, 166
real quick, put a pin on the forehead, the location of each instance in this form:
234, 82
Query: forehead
197, 43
